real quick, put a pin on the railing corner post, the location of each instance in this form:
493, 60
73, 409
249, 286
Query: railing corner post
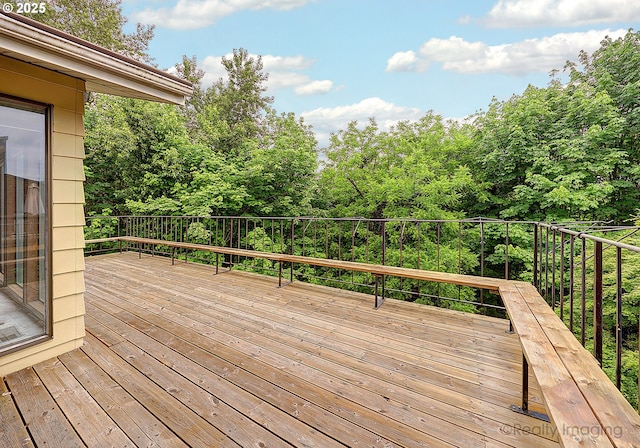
536, 281
597, 302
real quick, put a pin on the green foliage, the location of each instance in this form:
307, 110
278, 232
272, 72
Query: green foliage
209, 157
411, 171
550, 153
519, 251
140, 150
563, 152
280, 173
101, 227
567, 151
239, 103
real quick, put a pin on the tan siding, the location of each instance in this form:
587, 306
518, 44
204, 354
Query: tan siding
67, 168
68, 307
68, 284
65, 238
66, 215
68, 261
41, 85
66, 94
69, 334
64, 121
68, 192
68, 145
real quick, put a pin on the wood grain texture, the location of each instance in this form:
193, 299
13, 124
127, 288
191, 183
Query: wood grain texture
179, 356
13, 432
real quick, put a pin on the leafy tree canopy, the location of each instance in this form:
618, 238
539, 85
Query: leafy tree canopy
567, 151
414, 170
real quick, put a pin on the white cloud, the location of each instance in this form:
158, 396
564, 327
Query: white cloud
286, 62
193, 14
327, 120
314, 87
452, 49
528, 56
284, 72
532, 13
402, 61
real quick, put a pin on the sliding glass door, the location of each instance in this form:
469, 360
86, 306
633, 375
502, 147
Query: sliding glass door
24, 303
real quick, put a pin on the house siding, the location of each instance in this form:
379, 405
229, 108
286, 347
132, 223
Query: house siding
66, 94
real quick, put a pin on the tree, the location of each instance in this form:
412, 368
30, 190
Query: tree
550, 153
568, 151
100, 22
194, 105
613, 70
414, 170
417, 170
280, 173
239, 102
137, 151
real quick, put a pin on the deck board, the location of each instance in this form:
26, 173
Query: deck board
140, 425
178, 356
46, 423
12, 431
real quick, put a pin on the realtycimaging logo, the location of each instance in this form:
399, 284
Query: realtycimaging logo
564, 430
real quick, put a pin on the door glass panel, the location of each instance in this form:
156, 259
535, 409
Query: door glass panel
24, 306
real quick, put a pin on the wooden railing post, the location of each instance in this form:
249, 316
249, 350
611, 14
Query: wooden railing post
618, 317
597, 302
524, 409
506, 252
384, 257
536, 281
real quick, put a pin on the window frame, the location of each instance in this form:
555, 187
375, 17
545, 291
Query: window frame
47, 111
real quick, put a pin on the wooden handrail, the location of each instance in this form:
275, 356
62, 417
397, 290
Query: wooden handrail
584, 405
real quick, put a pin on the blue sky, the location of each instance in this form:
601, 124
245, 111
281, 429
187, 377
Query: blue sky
334, 61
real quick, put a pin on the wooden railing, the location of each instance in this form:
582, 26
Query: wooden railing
588, 275
581, 401
589, 281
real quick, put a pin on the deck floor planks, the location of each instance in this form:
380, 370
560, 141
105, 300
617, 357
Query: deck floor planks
434, 348
185, 423
293, 342
473, 359
280, 330
358, 308
168, 347
46, 423
12, 431
308, 390
224, 389
155, 295
164, 338
102, 331
340, 323
89, 420
201, 399
276, 331
140, 425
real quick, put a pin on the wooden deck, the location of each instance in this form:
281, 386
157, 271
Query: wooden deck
178, 356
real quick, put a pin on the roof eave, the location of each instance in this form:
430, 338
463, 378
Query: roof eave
103, 71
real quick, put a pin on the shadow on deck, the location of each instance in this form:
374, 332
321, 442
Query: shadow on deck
177, 356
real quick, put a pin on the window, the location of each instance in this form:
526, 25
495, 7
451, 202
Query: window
24, 219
